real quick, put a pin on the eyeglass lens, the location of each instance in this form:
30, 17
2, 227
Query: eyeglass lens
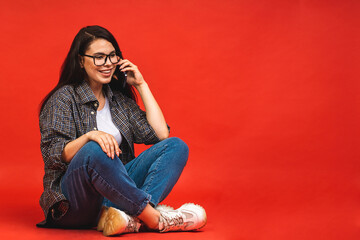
101, 59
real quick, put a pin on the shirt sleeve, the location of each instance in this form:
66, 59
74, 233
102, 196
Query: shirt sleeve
57, 128
141, 128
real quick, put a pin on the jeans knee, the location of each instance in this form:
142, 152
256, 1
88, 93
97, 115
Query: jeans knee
180, 148
97, 160
93, 153
92, 148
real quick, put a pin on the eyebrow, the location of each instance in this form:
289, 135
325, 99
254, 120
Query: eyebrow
104, 53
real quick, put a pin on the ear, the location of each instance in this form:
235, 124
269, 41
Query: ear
81, 61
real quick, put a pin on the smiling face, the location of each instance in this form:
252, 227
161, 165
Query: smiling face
98, 75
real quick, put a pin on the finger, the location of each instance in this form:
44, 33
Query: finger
111, 145
122, 62
127, 69
117, 149
107, 146
127, 64
102, 144
124, 65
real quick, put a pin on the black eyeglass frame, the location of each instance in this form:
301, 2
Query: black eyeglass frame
106, 57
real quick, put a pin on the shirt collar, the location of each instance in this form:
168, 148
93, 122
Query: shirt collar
86, 94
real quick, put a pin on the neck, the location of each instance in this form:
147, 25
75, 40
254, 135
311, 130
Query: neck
97, 90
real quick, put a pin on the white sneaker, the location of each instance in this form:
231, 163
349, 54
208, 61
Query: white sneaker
118, 222
164, 207
188, 217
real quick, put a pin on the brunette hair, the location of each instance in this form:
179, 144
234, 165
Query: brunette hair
71, 72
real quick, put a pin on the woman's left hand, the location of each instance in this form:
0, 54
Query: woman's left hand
134, 77
153, 112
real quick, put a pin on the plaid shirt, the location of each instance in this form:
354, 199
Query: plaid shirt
71, 112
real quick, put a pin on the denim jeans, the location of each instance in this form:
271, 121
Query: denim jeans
93, 179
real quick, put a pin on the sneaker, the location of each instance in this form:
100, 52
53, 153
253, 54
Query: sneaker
164, 208
102, 219
188, 217
118, 222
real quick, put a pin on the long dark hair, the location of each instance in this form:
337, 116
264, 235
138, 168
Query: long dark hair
71, 72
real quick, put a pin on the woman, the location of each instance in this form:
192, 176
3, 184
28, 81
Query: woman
88, 125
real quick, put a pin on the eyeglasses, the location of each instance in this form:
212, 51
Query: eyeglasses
100, 59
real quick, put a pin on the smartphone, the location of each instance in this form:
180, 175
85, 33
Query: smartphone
124, 73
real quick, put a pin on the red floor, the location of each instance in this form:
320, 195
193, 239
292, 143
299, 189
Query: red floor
255, 204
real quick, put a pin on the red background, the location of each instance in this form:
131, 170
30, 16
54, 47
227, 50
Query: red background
265, 93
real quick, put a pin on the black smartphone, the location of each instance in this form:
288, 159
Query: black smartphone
117, 69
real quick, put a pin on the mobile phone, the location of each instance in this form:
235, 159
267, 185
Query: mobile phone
124, 84
124, 73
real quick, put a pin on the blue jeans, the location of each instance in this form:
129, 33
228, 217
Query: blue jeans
93, 179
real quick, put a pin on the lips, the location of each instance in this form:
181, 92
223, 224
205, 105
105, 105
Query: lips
106, 72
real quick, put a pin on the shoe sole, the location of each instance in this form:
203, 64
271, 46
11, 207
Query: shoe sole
115, 223
204, 214
205, 220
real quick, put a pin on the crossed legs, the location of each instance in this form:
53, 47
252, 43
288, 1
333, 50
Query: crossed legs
92, 177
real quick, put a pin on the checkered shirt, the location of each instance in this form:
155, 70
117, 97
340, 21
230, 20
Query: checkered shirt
71, 112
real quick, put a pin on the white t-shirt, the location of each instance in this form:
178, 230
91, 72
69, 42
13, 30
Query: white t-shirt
105, 124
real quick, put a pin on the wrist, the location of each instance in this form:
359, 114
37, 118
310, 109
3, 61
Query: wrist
141, 86
87, 136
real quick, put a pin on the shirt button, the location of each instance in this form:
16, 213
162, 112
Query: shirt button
92, 112
95, 104
95, 128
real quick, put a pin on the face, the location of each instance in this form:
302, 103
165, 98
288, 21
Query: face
98, 75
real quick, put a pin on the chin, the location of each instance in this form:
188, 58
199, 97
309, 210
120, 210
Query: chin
105, 80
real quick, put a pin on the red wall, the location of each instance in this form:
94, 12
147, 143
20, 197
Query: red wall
265, 93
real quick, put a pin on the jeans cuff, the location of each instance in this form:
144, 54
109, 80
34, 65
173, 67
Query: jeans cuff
143, 205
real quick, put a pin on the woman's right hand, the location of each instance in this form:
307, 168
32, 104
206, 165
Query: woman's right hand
106, 141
